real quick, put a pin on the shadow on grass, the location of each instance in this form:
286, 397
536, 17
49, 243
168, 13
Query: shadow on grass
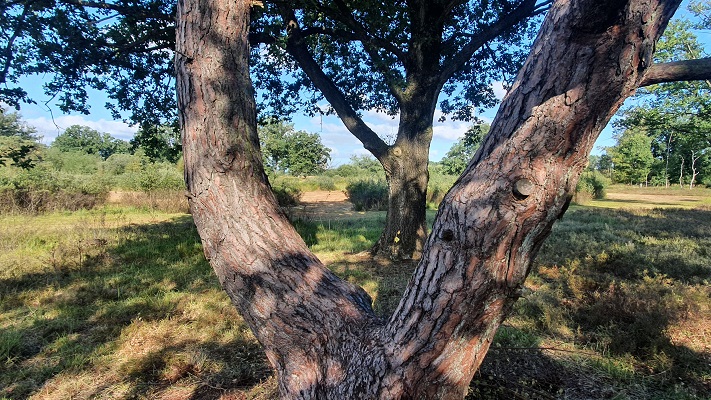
118, 318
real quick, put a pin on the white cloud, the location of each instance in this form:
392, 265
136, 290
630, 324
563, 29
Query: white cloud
49, 129
499, 90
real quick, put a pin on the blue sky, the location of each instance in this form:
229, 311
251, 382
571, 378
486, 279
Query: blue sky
50, 122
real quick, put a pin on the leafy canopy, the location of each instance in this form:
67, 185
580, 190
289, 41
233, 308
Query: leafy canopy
373, 51
459, 155
19, 143
79, 138
366, 48
677, 116
121, 47
290, 151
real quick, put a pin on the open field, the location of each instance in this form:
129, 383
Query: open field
118, 303
636, 197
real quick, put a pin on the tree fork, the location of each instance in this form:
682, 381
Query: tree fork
319, 332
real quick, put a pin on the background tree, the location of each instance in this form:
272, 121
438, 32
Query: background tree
319, 332
90, 141
459, 155
632, 157
19, 143
290, 151
401, 58
159, 142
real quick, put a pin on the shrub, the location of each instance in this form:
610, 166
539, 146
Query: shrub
438, 186
40, 190
287, 195
370, 195
592, 185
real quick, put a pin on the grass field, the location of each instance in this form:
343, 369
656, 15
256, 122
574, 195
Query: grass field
118, 303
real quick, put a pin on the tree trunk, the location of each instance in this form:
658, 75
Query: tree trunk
407, 173
681, 173
694, 172
319, 332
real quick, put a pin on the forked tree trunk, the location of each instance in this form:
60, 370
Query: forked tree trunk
319, 332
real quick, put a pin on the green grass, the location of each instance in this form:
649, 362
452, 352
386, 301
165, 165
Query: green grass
119, 303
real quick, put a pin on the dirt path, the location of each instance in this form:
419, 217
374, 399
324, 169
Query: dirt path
322, 204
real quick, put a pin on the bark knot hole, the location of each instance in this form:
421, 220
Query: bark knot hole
523, 188
397, 151
447, 235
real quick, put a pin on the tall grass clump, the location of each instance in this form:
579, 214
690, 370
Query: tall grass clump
368, 195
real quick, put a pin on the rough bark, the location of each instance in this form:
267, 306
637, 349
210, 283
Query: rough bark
687, 70
320, 333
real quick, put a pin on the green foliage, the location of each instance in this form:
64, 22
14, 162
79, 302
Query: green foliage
42, 189
676, 116
287, 195
79, 138
286, 150
458, 157
19, 152
360, 166
368, 195
366, 73
158, 176
73, 162
159, 142
438, 185
119, 164
592, 185
632, 157
19, 144
12, 125
119, 48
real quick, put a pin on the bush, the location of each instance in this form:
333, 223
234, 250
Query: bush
592, 185
438, 186
370, 195
287, 195
40, 190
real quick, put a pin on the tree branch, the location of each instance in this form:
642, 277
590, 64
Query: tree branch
370, 43
354, 123
525, 10
8, 53
688, 70
141, 12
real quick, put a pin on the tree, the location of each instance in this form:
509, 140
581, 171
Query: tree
19, 143
290, 151
90, 141
397, 58
319, 332
677, 116
457, 158
159, 142
632, 157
